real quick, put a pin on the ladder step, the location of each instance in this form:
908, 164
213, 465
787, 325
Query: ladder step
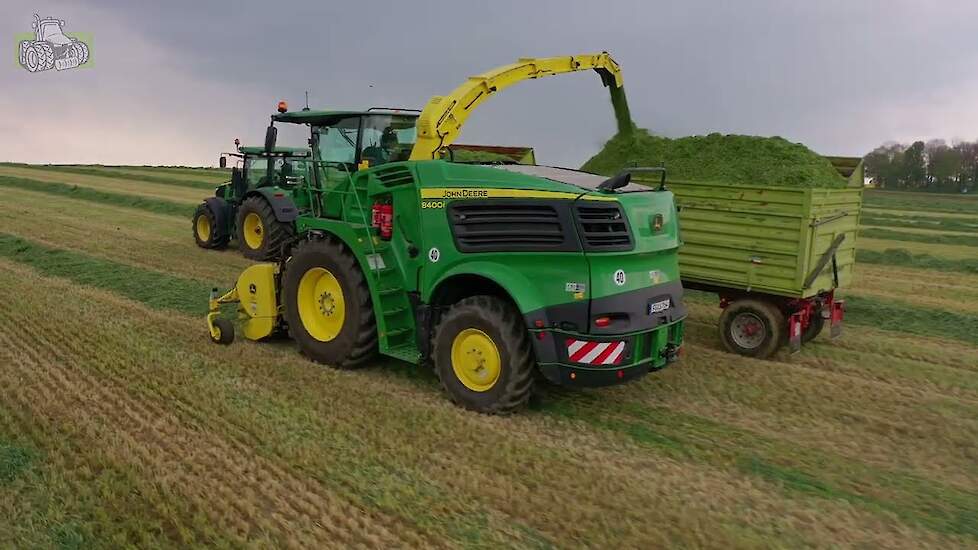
389, 291
395, 311
396, 332
405, 352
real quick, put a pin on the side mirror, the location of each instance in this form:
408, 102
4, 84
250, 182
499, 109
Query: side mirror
223, 163
271, 136
615, 182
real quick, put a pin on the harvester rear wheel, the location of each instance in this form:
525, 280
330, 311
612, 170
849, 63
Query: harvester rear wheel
327, 305
482, 355
207, 233
754, 328
260, 235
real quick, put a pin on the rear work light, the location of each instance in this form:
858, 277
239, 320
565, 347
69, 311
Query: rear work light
382, 216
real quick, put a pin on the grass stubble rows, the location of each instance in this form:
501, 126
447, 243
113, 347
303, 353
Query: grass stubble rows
121, 424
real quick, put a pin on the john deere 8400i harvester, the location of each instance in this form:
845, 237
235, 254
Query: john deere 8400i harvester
491, 272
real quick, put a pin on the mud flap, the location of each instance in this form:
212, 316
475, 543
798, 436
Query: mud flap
794, 331
838, 312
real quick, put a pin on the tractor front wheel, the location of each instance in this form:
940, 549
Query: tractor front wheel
482, 355
260, 235
327, 305
207, 233
753, 328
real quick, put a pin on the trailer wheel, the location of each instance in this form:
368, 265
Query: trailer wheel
482, 355
813, 329
260, 235
327, 305
206, 232
753, 328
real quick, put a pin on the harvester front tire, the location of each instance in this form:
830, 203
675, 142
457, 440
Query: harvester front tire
207, 234
483, 356
355, 342
225, 332
262, 242
753, 328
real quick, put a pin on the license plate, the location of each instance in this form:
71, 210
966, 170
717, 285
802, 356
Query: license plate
658, 307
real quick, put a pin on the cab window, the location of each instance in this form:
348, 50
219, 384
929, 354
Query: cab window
388, 138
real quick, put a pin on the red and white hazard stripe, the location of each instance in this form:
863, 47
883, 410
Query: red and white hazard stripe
595, 353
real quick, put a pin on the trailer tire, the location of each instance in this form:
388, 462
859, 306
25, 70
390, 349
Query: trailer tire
207, 234
260, 235
327, 305
813, 329
482, 355
753, 328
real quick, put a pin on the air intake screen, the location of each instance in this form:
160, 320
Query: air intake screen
603, 227
500, 226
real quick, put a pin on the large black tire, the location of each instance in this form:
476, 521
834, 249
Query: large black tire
356, 342
753, 328
814, 328
207, 233
81, 50
263, 242
46, 53
498, 321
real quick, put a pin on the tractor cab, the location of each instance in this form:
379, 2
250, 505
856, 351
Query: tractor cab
284, 167
50, 30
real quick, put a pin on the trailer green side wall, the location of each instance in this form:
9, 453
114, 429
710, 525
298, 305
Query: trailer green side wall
767, 239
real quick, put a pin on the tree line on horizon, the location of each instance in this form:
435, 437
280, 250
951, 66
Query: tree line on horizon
925, 166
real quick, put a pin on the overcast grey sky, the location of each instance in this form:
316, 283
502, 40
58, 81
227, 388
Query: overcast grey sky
175, 82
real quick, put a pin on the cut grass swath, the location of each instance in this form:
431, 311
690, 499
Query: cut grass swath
130, 176
930, 238
155, 289
158, 206
903, 257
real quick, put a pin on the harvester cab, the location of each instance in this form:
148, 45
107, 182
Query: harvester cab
259, 205
492, 273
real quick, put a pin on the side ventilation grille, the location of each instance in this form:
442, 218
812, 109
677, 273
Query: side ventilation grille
395, 175
504, 226
603, 227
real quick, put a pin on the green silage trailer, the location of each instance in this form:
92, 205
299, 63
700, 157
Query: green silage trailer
774, 255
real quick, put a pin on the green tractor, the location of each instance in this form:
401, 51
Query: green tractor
496, 274
258, 207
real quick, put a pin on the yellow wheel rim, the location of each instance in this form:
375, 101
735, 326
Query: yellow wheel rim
475, 360
322, 308
254, 231
203, 228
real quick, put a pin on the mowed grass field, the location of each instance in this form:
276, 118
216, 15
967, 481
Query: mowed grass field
121, 424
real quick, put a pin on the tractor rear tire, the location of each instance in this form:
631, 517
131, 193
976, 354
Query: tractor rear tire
753, 328
483, 356
46, 55
207, 234
261, 236
81, 51
327, 305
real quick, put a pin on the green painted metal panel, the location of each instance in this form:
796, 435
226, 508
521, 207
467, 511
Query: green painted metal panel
765, 239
